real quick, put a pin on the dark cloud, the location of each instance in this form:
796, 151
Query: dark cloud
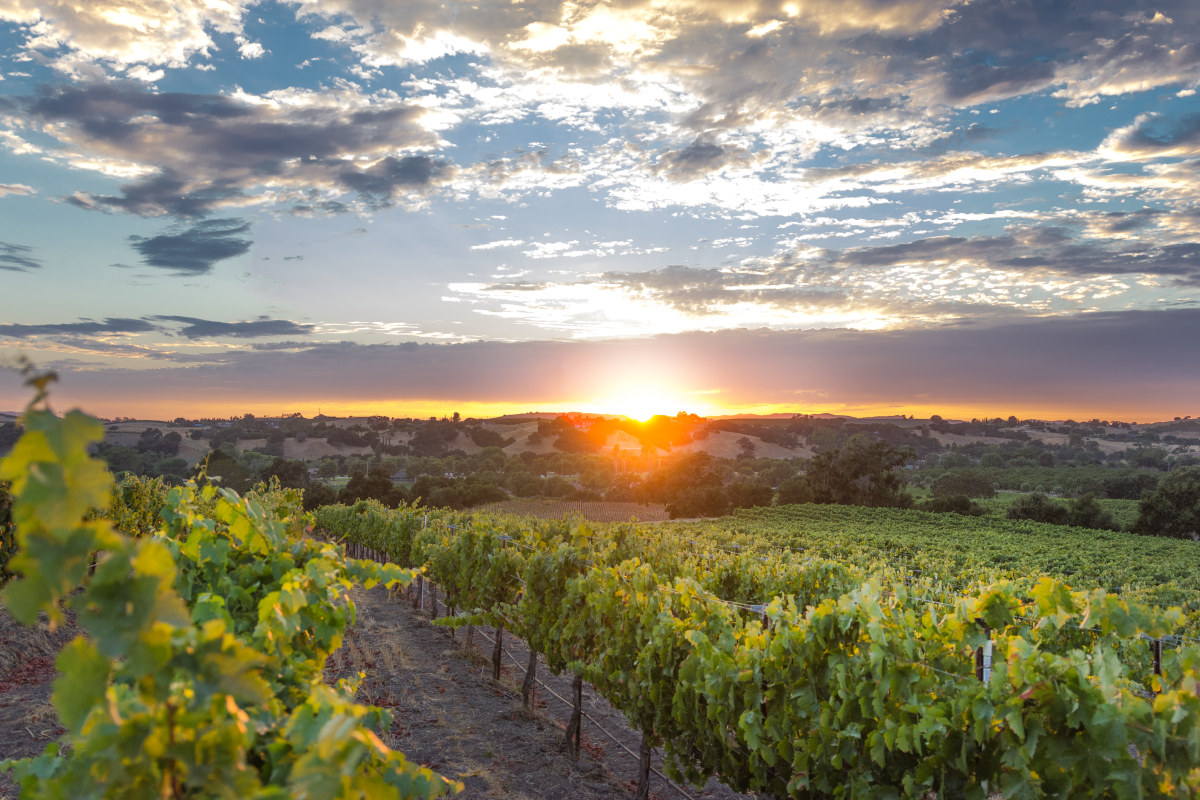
17, 258
1119, 222
694, 161
1155, 136
1064, 366
85, 328
210, 151
378, 184
1050, 249
207, 329
698, 291
196, 249
166, 192
966, 83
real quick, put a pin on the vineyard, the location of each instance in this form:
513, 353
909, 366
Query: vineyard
805, 651
591, 511
791, 672
201, 674
960, 550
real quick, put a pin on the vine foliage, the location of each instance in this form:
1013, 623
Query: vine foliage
200, 674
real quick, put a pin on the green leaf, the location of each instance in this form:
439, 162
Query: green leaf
82, 684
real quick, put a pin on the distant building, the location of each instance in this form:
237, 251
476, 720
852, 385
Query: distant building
399, 476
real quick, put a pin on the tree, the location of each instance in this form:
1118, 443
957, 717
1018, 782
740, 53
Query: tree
794, 491
967, 483
219, 464
1174, 508
748, 495
573, 440
860, 474
120, 458
483, 437
292, 474
1039, 508
1085, 512
746, 446
992, 461
954, 504
699, 501
317, 495
824, 438
374, 485
456, 417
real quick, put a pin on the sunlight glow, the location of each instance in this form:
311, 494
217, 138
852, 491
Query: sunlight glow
642, 403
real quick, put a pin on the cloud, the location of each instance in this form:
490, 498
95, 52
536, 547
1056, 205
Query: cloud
864, 69
18, 258
16, 188
697, 160
1153, 136
254, 329
501, 243
194, 154
1084, 262
109, 327
1052, 367
196, 249
119, 34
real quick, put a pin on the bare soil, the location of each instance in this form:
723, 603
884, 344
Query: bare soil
27, 720
451, 716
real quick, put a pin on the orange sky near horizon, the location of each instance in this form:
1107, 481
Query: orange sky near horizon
166, 409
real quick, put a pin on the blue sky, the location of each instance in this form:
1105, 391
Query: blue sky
189, 185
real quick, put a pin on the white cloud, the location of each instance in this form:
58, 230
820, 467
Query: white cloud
16, 188
122, 33
501, 243
249, 49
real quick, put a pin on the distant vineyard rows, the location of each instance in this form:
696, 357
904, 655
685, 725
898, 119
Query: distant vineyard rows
591, 511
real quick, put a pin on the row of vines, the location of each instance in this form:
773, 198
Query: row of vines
799, 675
1156, 570
208, 619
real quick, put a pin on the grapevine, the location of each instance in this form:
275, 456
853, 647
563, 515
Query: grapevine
790, 673
200, 674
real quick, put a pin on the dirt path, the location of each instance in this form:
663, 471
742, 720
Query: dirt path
452, 716
27, 720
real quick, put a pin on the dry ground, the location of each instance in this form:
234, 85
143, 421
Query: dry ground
452, 716
27, 720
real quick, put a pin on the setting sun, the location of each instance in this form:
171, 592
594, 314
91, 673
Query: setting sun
641, 403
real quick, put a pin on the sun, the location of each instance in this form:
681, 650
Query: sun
640, 404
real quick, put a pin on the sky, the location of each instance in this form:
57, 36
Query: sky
363, 206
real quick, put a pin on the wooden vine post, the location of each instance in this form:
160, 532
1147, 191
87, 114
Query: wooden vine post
1156, 649
983, 655
643, 788
575, 726
530, 677
497, 651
